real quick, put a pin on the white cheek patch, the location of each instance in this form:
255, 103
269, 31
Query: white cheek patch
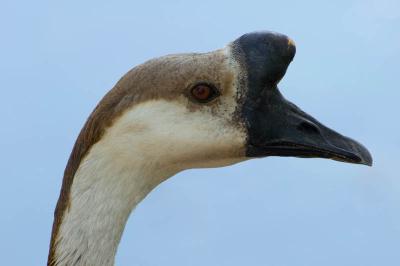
169, 133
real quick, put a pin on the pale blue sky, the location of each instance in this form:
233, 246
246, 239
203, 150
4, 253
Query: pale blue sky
57, 59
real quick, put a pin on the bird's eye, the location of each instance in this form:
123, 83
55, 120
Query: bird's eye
204, 93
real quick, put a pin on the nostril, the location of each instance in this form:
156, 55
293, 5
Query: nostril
308, 127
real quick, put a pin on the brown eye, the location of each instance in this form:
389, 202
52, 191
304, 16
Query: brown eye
204, 92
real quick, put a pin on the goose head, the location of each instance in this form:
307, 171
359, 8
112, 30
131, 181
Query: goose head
174, 113
222, 107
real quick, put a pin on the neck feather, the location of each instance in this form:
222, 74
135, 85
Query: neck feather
102, 198
111, 180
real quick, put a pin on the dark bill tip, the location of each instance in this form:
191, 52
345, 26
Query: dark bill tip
358, 153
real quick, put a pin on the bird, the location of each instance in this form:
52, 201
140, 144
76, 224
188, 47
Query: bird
178, 112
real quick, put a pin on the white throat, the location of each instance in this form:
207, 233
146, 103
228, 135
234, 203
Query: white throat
102, 197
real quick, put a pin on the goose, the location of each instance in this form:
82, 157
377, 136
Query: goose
177, 112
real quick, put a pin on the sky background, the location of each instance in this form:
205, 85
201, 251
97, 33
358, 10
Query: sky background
58, 58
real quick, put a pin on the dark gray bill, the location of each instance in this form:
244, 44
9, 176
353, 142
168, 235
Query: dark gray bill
275, 126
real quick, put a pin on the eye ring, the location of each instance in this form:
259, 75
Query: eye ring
204, 92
